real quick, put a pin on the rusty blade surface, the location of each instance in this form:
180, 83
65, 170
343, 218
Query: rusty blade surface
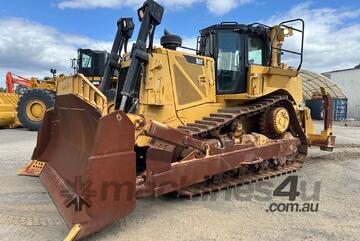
90, 164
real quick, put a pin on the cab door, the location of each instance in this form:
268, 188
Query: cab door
230, 62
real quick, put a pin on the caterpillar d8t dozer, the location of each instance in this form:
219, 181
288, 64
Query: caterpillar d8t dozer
183, 123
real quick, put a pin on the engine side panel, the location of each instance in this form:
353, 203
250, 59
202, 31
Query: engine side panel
178, 88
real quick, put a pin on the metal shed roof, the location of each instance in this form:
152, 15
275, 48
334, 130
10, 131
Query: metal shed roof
313, 81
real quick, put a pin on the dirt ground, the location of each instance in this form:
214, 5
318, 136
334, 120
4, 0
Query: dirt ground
27, 212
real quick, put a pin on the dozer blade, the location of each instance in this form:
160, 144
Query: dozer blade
87, 164
8, 115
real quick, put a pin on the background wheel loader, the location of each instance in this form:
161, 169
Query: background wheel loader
183, 123
29, 107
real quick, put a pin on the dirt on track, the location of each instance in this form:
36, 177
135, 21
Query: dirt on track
27, 212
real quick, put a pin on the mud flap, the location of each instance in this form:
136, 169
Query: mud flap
88, 164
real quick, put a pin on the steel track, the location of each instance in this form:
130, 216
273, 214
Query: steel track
225, 117
207, 187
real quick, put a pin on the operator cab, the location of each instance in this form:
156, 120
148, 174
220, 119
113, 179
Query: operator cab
91, 63
234, 47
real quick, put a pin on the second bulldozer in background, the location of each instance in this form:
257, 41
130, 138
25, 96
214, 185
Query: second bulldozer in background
28, 108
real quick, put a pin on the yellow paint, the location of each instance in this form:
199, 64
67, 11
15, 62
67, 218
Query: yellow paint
73, 232
308, 123
310, 129
179, 88
8, 114
83, 88
264, 80
277, 36
35, 110
282, 119
175, 91
111, 107
49, 84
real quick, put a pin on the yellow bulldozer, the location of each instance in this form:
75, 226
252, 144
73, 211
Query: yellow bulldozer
183, 123
28, 109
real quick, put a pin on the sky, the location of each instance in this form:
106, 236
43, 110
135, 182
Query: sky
38, 35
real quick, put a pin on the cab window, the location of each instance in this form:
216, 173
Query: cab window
86, 61
255, 51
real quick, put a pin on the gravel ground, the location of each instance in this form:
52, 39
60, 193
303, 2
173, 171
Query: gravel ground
27, 212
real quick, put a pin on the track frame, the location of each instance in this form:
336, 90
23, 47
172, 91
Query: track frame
162, 175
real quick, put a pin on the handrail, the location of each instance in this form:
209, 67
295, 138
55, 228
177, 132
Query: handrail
283, 24
85, 90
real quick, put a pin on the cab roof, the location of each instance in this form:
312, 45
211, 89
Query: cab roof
253, 28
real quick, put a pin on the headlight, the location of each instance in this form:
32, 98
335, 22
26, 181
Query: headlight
141, 14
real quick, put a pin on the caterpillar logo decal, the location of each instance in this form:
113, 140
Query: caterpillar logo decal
194, 60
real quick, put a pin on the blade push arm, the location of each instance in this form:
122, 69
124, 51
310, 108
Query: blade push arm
124, 33
150, 15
